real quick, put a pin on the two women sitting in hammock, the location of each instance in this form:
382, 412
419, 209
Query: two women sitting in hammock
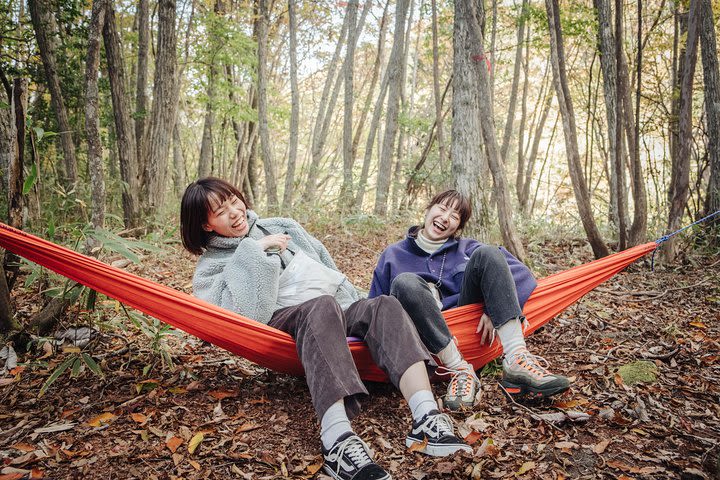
274, 271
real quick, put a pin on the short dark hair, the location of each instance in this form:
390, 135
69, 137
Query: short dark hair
458, 201
195, 206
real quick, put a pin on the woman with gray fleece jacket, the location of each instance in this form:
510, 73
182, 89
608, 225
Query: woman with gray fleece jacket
244, 264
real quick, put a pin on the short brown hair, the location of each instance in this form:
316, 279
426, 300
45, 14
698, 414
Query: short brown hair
458, 201
195, 206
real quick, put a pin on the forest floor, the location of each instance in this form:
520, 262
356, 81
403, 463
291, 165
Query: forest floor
213, 415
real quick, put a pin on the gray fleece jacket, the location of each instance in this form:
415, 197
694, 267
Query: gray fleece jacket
236, 274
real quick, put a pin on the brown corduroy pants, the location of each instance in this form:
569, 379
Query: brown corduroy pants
320, 328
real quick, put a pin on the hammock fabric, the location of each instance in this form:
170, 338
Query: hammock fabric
274, 349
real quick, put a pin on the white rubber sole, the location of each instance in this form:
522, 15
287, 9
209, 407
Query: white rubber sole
439, 449
329, 472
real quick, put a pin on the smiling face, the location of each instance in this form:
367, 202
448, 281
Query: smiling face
227, 218
442, 220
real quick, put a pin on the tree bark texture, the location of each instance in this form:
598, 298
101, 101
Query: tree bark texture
511, 239
178, 163
346, 195
322, 120
16, 176
262, 78
45, 32
515, 82
395, 75
156, 145
582, 197
141, 100
92, 118
465, 137
436, 86
125, 133
294, 109
680, 178
377, 111
206, 158
618, 160
606, 43
712, 103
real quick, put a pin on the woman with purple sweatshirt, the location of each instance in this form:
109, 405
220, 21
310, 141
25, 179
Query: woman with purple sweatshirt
434, 269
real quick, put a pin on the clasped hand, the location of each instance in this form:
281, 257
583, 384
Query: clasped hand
278, 242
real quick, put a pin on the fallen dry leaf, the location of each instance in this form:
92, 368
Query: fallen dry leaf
472, 437
418, 446
100, 420
526, 467
23, 447
195, 442
600, 447
139, 417
246, 427
173, 443
220, 394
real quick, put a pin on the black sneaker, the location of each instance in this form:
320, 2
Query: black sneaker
437, 429
349, 459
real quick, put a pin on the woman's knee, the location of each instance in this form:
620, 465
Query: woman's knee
487, 254
407, 283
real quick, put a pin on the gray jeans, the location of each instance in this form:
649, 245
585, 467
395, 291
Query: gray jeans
320, 328
487, 280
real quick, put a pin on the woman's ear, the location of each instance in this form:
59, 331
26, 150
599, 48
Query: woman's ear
207, 227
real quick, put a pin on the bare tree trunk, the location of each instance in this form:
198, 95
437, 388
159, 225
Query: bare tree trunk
373, 82
16, 176
638, 229
92, 119
582, 197
712, 103
515, 82
325, 109
436, 85
126, 142
532, 155
466, 152
618, 161
178, 163
606, 43
207, 157
15, 173
346, 195
156, 144
268, 163
520, 175
7, 322
680, 179
497, 168
377, 111
141, 100
395, 77
45, 32
294, 109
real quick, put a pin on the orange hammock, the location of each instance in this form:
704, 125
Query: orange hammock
274, 349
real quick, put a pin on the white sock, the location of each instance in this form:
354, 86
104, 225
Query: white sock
511, 337
421, 403
333, 424
450, 356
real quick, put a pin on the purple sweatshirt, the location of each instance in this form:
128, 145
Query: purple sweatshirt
407, 256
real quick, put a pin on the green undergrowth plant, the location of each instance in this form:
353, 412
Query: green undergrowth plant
76, 362
158, 333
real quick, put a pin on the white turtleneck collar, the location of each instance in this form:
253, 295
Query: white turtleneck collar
428, 246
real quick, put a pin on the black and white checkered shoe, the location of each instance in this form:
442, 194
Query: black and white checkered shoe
349, 459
